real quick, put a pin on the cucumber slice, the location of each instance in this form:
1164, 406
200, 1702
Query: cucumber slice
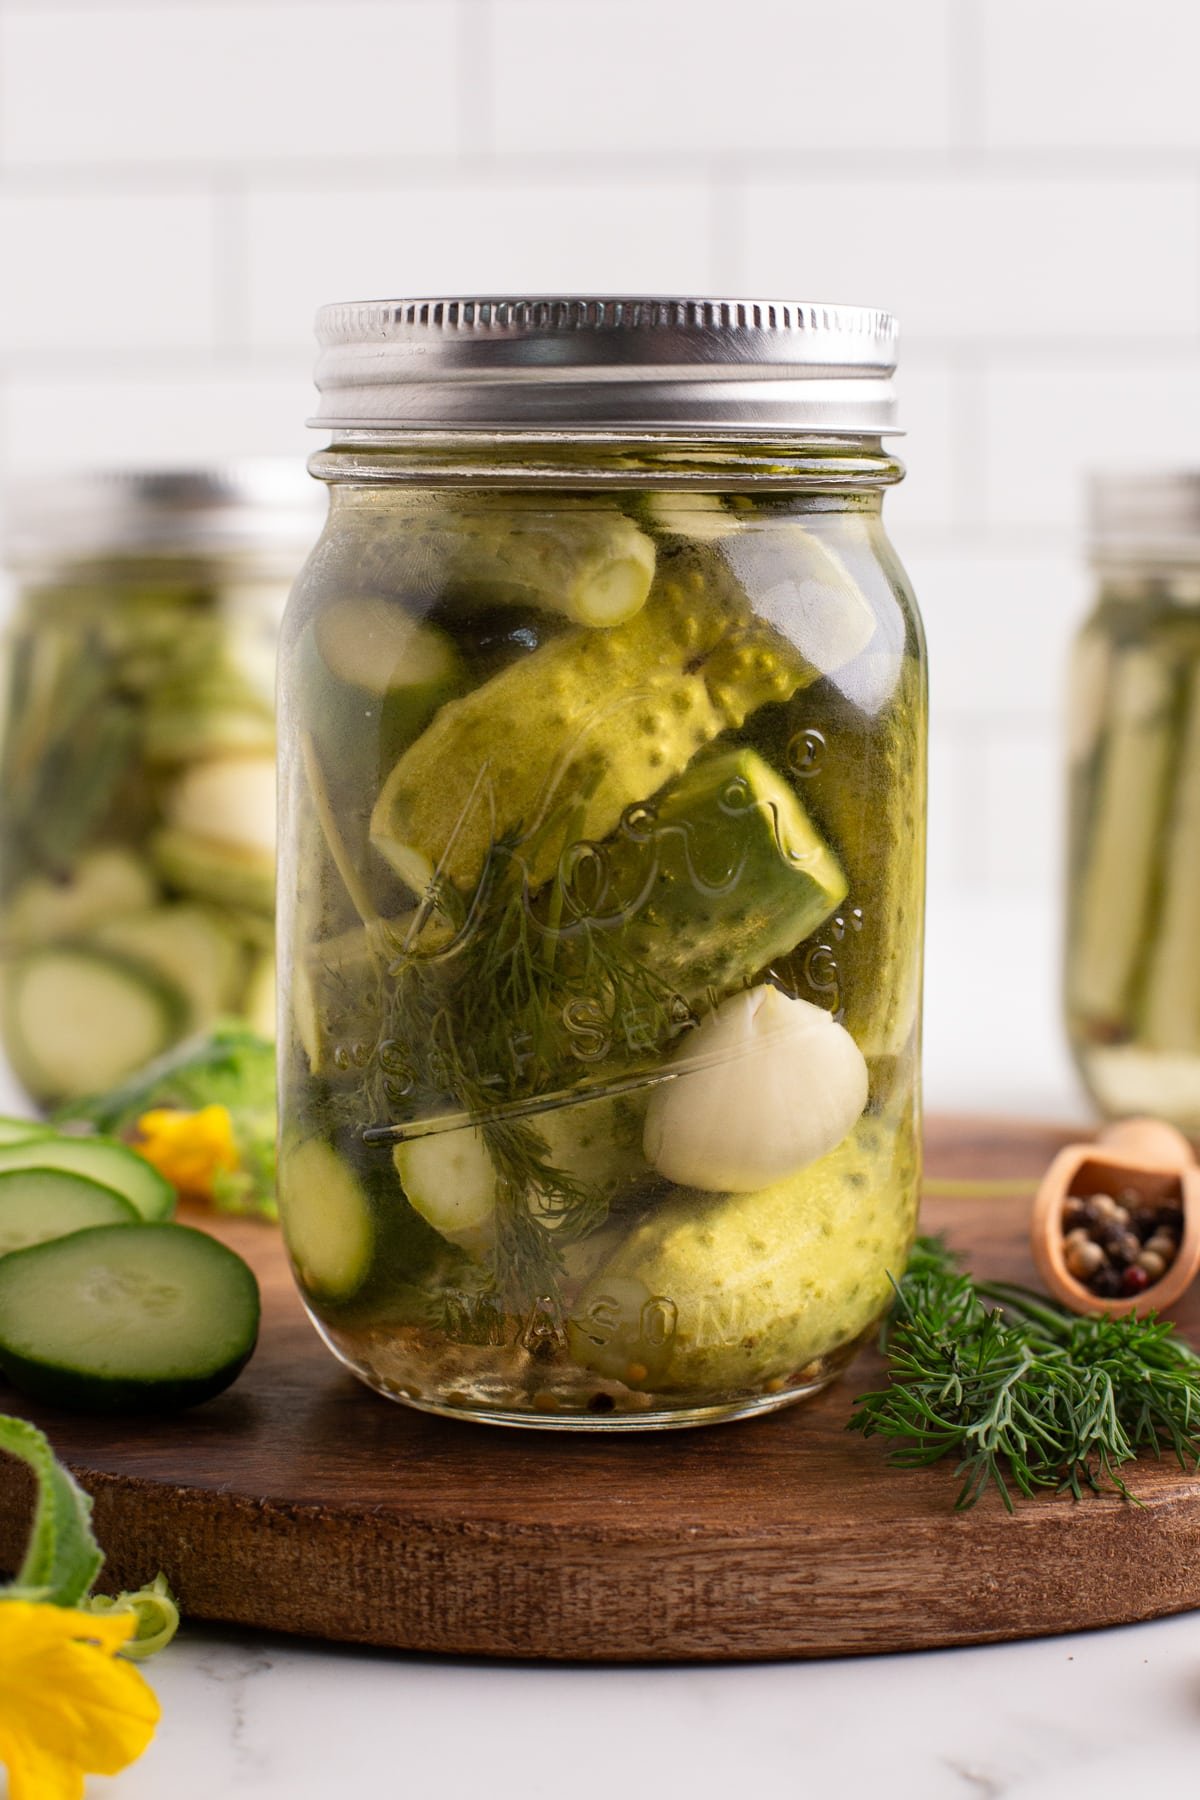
185, 945
105, 1161
373, 644
231, 801
326, 1219
78, 1021
215, 871
450, 1179
198, 720
104, 882
126, 1318
22, 1131
703, 518
39, 1204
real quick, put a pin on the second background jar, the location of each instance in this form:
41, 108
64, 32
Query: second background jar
137, 790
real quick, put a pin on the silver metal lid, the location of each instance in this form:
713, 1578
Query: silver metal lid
261, 502
605, 364
1147, 515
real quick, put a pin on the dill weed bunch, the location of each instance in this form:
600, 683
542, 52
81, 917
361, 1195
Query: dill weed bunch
1025, 1395
496, 1002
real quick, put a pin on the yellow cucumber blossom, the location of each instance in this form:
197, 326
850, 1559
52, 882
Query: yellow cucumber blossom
192, 1149
68, 1706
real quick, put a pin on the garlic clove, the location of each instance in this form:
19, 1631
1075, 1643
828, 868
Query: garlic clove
764, 1086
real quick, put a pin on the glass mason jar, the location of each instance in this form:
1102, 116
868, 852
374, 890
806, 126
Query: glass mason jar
137, 809
602, 733
1132, 962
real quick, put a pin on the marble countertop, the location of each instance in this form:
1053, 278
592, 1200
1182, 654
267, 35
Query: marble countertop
1094, 1712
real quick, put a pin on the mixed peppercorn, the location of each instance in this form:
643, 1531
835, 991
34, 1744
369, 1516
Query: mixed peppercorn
1120, 1246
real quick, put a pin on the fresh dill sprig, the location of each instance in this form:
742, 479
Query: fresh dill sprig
1024, 1394
488, 1007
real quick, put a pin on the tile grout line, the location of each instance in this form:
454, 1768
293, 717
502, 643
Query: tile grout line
849, 167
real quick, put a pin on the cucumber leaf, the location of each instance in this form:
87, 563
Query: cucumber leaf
63, 1557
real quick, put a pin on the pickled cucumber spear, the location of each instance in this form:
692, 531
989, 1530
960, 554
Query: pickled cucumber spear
586, 562
714, 1291
1170, 1014
726, 872
606, 716
867, 794
1117, 879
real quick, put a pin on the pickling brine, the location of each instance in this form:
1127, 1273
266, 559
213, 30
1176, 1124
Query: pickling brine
600, 909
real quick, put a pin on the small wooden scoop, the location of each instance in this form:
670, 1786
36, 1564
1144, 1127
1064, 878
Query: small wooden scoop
1158, 1164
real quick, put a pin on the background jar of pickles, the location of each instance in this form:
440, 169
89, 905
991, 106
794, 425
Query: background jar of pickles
137, 810
602, 807
1133, 916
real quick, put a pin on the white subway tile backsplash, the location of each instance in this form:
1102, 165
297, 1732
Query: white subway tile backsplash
89, 271
540, 235
1021, 799
999, 626
927, 410
142, 84
951, 761
1045, 425
982, 257
1090, 74
684, 75
98, 419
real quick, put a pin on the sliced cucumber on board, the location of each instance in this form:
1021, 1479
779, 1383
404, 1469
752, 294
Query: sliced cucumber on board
39, 1204
103, 1160
327, 1222
78, 1020
22, 1131
126, 1318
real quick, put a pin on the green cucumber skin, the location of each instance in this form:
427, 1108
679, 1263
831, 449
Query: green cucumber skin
738, 874
868, 800
22, 1131
149, 1192
634, 704
57, 1384
97, 1394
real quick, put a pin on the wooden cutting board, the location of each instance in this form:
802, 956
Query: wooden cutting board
301, 1502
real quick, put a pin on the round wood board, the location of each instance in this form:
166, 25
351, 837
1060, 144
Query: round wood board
300, 1502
